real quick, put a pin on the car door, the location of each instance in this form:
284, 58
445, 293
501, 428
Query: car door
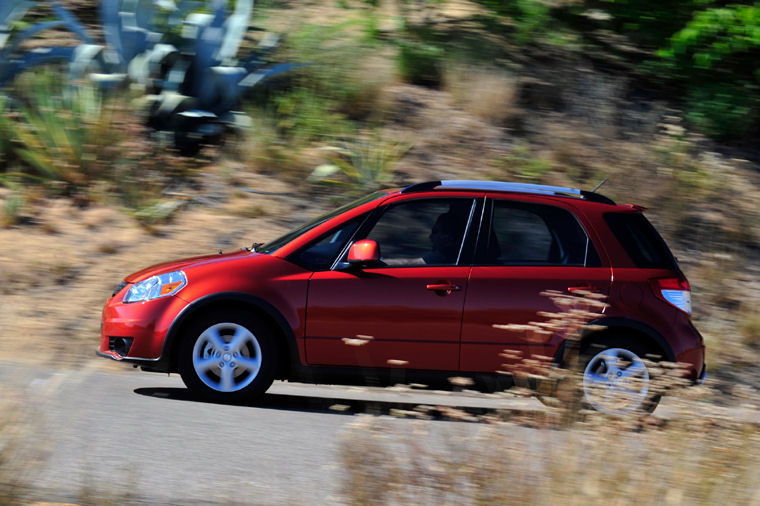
524, 249
407, 310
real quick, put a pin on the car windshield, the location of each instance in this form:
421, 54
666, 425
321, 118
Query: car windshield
282, 241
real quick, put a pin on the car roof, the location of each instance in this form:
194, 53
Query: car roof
501, 186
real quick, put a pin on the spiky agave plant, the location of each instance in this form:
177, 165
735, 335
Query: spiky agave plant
187, 61
184, 52
13, 59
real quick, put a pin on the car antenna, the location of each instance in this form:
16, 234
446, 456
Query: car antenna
599, 185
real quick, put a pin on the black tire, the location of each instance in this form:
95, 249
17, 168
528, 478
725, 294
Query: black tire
228, 356
626, 358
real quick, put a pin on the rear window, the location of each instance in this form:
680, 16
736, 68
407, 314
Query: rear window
642, 242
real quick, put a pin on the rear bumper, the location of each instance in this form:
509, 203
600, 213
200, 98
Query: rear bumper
702, 375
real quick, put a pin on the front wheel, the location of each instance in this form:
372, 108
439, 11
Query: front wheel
228, 357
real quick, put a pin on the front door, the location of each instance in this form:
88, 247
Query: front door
407, 311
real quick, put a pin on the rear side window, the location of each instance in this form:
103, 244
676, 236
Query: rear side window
640, 240
531, 234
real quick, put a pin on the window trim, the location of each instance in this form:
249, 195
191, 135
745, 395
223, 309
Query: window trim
293, 257
466, 247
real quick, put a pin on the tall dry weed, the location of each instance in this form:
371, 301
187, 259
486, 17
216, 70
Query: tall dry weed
21, 452
488, 93
698, 456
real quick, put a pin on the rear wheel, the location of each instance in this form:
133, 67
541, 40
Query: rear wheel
616, 381
228, 357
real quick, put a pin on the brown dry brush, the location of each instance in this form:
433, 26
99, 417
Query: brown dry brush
694, 459
561, 385
699, 455
537, 373
22, 453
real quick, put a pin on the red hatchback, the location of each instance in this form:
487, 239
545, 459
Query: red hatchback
422, 279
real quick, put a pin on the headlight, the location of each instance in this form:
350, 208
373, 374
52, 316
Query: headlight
156, 286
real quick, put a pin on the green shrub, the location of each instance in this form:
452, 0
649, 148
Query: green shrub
420, 63
723, 110
335, 55
11, 209
67, 136
304, 116
714, 58
365, 164
649, 23
524, 166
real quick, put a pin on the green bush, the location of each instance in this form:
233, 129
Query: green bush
304, 116
365, 164
334, 56
420, 63
650, 23
714, 58
723, 110
720, 40
66, 136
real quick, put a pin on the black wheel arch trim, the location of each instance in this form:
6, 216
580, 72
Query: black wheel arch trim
172, 336
623, 323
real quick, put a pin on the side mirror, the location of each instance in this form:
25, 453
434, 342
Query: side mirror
364, 253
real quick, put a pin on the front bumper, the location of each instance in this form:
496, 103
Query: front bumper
136, 332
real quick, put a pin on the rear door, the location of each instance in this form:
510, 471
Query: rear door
525, 248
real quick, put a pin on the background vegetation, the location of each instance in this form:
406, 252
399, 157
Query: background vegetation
662, 98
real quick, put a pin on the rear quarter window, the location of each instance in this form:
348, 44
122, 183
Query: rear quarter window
641, 241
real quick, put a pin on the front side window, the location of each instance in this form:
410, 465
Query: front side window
423, 232
285, 239
320, 254
534, 234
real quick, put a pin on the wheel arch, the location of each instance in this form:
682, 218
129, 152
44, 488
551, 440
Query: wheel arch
286, 341
648, 336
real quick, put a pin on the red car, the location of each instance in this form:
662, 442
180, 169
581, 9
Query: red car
415, 284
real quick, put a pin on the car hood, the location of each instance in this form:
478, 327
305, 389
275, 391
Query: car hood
184, 263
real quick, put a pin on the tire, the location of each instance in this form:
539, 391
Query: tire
227, 357
616, 381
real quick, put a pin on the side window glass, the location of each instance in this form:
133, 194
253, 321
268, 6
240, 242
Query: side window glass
320, 254
422, 232
528, 234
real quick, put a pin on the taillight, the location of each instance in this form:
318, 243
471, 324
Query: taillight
675, 291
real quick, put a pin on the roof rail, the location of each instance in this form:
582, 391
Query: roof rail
465, 184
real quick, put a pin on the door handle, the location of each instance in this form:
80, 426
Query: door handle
443, 288
586, 287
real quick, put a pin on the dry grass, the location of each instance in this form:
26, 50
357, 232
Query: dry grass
749, 328
488, 93
70, 275
700, 455
691, 460
22, 452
